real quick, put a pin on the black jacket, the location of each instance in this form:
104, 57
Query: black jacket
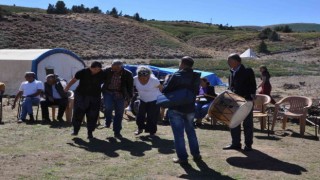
185, 78
126, 82
59, 88
243, 83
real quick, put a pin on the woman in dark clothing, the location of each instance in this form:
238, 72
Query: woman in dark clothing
204, 99
265, 83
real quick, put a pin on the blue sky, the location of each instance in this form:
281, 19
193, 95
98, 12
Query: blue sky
232, 12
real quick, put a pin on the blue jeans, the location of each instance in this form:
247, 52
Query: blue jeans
112, 102
26, 106
181, 122
201, 110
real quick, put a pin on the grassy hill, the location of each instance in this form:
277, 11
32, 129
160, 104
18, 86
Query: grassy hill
301, 27
19, 9
100, 36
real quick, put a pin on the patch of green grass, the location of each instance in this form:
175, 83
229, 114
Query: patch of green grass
306, 36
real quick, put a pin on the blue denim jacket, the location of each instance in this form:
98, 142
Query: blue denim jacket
184, 78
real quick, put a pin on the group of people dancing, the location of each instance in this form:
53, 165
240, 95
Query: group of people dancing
116, 85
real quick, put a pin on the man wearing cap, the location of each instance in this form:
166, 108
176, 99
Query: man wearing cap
30, 90
54, 95
118, 87
87, 97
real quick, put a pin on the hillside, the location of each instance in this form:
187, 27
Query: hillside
91, 36
100, 36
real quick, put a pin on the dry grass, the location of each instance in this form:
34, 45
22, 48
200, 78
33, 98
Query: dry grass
49, 152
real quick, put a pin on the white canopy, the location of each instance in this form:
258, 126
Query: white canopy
249, 53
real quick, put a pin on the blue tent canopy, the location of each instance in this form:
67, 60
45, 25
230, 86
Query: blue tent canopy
160, 73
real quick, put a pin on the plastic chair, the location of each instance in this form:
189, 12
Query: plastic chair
259, 109
294, 107
19, 108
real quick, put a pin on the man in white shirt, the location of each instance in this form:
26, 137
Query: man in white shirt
30, 90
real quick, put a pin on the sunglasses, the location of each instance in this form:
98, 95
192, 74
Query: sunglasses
143, 73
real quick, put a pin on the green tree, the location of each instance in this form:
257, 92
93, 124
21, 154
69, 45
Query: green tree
262, 48
95, 10
264, 34
61, 8
114, 12
137, 17
51, 9
287, 29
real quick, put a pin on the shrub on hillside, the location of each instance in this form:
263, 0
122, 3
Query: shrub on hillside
274, 36
285, 29
137, 17
264, 34
113, 12
262, 48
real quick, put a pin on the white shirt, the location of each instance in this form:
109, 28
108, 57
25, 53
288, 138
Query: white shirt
148, 92
31, 88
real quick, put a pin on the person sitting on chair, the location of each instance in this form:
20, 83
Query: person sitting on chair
30, 90
54, 95
204, 99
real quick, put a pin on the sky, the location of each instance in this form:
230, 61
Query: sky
231, 12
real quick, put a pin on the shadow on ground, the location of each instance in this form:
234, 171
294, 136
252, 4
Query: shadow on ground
205, 172
258, 160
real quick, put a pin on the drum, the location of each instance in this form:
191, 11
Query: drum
230, 108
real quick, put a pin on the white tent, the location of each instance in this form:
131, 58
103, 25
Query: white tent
15, 62
249, 53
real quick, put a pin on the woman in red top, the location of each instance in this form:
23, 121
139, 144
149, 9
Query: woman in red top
265, 85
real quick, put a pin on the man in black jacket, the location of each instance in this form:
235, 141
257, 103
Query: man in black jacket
242, 82
54, 95
181, 117
118, 87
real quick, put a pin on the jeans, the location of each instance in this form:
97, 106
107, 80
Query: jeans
201, 110
112, 102
152, 110
26, 106
181, 122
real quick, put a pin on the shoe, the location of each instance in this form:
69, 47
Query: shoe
137, 132
232, 147
197, 158
60, 119
31, 118
46, 121
74, 133
107, 125
21, 120
90, 135
152, 134
247, 148
179, 161
118, 135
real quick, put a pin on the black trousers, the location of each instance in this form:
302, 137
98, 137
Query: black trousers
85, 106
152, 111
247, 129
62, 103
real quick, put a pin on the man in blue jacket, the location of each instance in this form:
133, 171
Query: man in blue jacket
181, 117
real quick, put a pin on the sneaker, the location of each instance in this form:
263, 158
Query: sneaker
179, 161
74, 133
137, 132
21, 120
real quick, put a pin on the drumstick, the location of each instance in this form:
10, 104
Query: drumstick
209, 95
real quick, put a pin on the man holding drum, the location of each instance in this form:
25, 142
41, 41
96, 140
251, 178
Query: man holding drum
242, 82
